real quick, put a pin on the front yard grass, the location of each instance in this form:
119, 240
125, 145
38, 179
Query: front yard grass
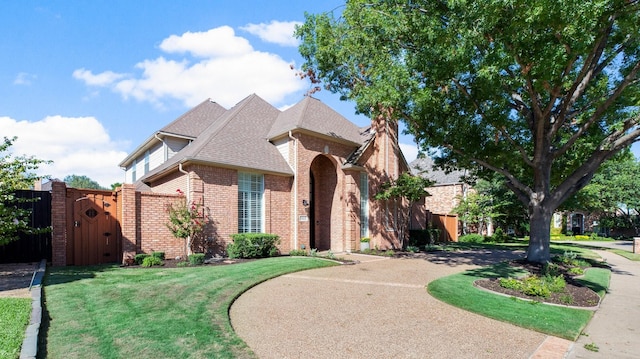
14, 318
112, 312
564, 322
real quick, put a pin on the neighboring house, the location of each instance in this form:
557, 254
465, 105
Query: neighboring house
444, 195
306, 174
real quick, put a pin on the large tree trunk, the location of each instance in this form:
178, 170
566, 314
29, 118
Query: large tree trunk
540, 233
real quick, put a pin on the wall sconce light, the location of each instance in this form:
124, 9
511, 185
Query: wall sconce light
305, 203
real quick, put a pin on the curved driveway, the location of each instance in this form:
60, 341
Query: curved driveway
378, 308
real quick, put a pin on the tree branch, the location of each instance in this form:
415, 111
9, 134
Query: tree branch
589, 70
630, 79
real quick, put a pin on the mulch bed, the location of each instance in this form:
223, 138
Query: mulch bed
581, 296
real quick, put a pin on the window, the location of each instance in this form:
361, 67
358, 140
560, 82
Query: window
364, 205
250, 206
133, 171
146, 162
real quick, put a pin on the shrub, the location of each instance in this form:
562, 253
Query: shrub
471, 238
139, 258
253, 245
551, 269
413, 249
196, 259
499, 236
298, 253
158, 255
556, 284
510, 283
150, 261
576, 271
182, 264
535, 287
418, 237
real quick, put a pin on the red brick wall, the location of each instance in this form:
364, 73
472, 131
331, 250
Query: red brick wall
443, 198
152, 223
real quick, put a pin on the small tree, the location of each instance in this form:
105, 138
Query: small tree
15, 173
186, 221
411, 188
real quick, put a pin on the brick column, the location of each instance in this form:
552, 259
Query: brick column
636, 245
129, 221
59, 223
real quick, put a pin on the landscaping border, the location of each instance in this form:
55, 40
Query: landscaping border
29, 348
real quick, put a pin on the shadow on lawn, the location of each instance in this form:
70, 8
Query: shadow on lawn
480, 257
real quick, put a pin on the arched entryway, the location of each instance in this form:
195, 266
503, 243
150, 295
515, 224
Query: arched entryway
322, 186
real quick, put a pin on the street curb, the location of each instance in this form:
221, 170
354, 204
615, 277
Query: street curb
30, 343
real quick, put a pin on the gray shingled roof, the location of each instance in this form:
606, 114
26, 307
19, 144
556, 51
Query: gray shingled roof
236, 139
194, 121
424, 168
313, 115
189, 125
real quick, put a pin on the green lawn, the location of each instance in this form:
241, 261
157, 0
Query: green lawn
111, 312
458, 290
14, 318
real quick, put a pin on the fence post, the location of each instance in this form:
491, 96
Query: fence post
58, 223
636, 245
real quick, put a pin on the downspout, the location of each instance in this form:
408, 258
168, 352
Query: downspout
295, 190
188, 201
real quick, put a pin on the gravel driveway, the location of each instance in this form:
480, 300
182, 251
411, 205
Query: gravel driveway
378, 308
15, 279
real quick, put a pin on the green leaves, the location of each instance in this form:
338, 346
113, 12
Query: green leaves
406, 186
16, 173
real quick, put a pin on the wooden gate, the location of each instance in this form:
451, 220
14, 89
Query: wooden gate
93, 233
31, 247
448, 225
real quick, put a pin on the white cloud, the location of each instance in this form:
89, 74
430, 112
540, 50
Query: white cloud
24, 78
277, 32
76, 145
220, 41
410, 151
103, 79
227, 70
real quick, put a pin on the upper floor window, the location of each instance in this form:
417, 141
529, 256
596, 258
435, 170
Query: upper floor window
146, 162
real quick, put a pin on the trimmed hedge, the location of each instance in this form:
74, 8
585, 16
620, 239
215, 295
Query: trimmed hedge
253, 245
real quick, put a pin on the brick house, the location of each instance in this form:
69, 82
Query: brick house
444, 195
306, 174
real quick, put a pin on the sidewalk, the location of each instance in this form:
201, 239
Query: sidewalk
615, 327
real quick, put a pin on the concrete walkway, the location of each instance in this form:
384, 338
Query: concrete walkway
615, 327
379, 309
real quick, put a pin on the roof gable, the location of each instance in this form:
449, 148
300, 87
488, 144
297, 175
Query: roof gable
312, 115
424, 167
196, 120
236, 139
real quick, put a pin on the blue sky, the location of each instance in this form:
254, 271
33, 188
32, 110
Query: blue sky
83, 83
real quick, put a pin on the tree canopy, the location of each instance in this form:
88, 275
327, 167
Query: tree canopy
16, 173
541, 92
76, 181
